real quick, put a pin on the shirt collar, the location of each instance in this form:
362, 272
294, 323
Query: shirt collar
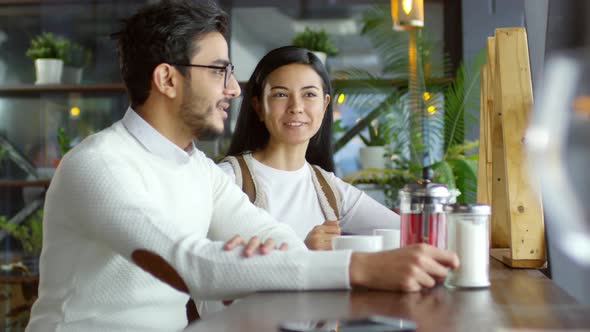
153, 141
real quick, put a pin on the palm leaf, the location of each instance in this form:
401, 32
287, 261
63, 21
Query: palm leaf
462, 102
443, 173
465, 170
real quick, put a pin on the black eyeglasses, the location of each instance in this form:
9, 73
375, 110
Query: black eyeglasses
227, 70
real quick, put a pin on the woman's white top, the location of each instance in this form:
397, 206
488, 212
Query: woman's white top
292, 199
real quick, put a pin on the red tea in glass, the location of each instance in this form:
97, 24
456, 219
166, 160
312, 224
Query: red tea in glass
412, 229
423, 219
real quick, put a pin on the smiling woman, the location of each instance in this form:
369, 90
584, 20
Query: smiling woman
292, 106
284, 127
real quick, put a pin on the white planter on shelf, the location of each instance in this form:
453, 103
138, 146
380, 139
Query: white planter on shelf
322, 55
72, 75
372, 157
48, 71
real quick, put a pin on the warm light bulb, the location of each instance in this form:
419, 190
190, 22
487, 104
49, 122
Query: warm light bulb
431, 109
75, 111
407, 6
341, 98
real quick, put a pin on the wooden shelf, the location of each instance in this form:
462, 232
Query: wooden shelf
384, 83
30, 89
25, 183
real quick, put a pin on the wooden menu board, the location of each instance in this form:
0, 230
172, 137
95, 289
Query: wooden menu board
517, 227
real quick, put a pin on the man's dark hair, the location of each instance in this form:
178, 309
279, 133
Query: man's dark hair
166, 32
251, 134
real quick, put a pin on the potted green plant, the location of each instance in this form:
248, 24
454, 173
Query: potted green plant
76, 57
418, 134
316, 41
3, 154
48, 51
28, 233
372, 155
25, 270
65, 144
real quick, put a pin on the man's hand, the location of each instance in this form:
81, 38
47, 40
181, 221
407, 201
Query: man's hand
320, 237
250, 248
253, 246
408, 269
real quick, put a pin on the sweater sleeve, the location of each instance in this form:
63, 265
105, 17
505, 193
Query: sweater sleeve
107, 203
360, 213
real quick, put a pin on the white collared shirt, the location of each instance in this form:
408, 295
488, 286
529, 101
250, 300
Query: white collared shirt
153, 141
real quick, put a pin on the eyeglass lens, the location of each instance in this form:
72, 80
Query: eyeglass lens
228, 71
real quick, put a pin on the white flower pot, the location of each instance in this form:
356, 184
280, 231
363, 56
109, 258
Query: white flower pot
322, 55
72, 75
372, 157
48, 71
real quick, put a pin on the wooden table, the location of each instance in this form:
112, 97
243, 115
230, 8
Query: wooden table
516, 299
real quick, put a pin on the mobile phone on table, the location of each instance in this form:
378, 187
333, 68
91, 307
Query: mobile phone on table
373, 323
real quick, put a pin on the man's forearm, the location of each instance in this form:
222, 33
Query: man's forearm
358, 269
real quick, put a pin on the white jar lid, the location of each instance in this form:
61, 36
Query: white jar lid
479, 209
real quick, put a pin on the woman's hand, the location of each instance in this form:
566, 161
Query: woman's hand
320, 237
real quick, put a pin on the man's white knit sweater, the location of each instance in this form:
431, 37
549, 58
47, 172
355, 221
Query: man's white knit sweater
129, 188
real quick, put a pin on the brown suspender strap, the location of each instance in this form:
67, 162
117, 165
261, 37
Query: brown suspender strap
247, 180
327, 191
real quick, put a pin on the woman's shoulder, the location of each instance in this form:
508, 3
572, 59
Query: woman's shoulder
329, 176
227, 167
344, 188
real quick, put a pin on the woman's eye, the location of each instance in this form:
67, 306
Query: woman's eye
220, 71
279, 94
310, 94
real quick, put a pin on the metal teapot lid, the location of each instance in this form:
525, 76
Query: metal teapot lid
426, 188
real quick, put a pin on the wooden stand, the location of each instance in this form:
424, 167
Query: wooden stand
517, 227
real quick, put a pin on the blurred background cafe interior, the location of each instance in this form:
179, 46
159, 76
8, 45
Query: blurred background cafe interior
405, 97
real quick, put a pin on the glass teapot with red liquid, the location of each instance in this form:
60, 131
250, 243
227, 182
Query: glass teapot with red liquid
423, 219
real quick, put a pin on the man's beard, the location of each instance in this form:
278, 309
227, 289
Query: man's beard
199, 123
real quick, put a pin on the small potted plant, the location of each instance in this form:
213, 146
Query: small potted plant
3, 157
65, 144
379, 135
24, 270
316, 41
75, 59
48, 51
28, 233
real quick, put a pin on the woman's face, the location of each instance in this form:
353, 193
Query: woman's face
293, 104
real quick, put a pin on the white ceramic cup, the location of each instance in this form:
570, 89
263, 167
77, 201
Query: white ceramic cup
391, 237
366, 243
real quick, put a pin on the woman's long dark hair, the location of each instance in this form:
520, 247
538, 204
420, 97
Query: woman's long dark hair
251, 134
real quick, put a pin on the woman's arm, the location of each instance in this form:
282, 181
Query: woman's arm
360, 213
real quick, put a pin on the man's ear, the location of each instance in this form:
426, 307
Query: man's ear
166, 80
256, 107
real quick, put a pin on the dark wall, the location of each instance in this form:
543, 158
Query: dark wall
567, 25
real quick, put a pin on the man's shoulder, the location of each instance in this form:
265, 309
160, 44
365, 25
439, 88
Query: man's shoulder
107, 145
107, 140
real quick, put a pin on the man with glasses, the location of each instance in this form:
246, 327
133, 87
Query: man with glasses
133, 212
